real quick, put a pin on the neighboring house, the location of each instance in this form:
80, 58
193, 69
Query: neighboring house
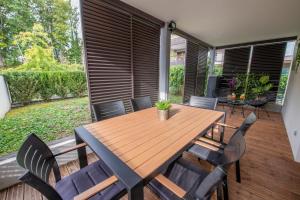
178, 46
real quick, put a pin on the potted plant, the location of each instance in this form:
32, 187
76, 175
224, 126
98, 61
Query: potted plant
163, 109
263, 86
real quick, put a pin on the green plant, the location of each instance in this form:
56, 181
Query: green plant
23, 86
26, 86
263, 86
163, 105
176, 79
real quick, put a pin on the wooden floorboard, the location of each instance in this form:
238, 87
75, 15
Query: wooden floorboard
267, 169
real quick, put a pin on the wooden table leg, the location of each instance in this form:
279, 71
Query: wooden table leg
82, 156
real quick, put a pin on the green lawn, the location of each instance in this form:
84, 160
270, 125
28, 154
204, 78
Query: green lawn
175, 98
49, 121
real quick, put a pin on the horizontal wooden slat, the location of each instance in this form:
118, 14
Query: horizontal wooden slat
170, 185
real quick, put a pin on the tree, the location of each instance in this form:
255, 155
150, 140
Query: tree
15, 16
54, 15
38, 54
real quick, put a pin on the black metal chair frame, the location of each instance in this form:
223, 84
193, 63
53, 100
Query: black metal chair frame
38, 160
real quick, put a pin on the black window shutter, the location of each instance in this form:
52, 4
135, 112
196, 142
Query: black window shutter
191, 64
235, 62
122, 53
108, 53
146, 44
201, 72
268, 59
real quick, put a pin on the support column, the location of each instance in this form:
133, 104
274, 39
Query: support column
164, 62
212, 61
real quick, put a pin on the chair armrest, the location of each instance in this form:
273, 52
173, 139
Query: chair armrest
208, 146
226, 125
170, 185
211, 142
70, 149
97, 188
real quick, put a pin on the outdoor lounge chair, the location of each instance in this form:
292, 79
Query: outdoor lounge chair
141, 103
108, 110
95, 181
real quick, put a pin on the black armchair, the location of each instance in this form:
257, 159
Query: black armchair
96, 181
218, 153
185, 180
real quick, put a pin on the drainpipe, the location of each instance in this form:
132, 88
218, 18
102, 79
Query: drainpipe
249, 68
164, 62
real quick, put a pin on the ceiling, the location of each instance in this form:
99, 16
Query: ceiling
224, 22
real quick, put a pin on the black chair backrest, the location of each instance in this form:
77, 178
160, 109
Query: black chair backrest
234, 150
203, 102
141, 103
248, 122
209, 185
36, 157
108, 110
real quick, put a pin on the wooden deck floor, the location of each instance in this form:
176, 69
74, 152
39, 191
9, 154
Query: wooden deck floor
267, 169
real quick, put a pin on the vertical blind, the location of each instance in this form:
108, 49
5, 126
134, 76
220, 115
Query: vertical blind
122, 53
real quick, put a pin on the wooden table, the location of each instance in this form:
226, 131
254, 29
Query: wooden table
137, 146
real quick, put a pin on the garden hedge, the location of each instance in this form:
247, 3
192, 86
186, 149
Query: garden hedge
25, 86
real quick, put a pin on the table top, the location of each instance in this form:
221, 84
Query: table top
144, 143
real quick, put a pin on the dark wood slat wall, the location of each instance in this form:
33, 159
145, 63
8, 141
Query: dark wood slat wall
235, 62
146, 43
201, 72
108, 53
191, 65
122, 53
268, 59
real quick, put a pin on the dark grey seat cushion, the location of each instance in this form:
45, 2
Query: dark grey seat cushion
86, 178
184, 174
213, 157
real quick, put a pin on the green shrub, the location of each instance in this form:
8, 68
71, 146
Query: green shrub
23, 86
26, 86
176, 79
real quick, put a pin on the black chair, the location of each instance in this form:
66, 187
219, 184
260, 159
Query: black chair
141, 103
211, 151
189, 181
211, 104
232, 153
38, 160
108, 110
203, 102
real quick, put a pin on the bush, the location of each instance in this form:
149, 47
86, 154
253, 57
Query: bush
176, 79
26, 86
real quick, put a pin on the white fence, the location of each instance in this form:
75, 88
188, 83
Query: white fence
5, 102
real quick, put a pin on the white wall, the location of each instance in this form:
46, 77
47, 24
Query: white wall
291, 113
5, 104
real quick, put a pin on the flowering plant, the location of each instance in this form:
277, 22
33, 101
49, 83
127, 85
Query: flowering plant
232, 84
